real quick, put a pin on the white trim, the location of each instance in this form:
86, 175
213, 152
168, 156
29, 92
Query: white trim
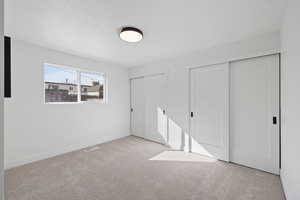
189, 110
2, 184
130, 103
207, 65
283, 184
78, 74
236, 59
76, 103
148, 75
227, 115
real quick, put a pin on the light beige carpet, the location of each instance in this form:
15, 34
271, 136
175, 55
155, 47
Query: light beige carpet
135, 169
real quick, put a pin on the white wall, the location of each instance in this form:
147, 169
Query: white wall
290, 173
177, 74
1, 99
36, 131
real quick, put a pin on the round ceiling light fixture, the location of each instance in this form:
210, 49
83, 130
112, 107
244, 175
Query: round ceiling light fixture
131, 34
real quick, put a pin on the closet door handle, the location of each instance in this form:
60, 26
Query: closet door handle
274, 120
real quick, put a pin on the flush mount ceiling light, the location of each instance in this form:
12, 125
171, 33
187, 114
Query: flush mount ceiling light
131, 34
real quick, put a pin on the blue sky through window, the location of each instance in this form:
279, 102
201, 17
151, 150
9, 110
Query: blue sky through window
88, 78
65, 75
59, 74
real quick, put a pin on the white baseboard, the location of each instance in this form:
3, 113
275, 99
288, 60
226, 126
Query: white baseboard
53, 153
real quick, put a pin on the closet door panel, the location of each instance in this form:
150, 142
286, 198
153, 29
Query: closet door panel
138, 107
155, 109
254, 113
209, 107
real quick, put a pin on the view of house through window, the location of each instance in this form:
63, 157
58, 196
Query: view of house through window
91, 86
62, 83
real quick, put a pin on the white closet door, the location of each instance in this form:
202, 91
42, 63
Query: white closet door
254, 101
155, 108
138, 107
209, 105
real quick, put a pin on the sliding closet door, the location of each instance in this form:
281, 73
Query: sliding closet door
138, 107
209, 111
155, 108
148, 109
254, 113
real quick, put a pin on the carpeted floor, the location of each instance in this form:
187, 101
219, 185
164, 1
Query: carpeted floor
135, 169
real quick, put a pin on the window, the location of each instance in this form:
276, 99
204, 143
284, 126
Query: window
62, 85
91, 85
58, 81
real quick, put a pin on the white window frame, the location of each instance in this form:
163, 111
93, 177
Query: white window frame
78, 73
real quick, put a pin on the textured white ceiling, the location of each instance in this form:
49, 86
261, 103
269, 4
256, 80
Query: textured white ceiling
90, 28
